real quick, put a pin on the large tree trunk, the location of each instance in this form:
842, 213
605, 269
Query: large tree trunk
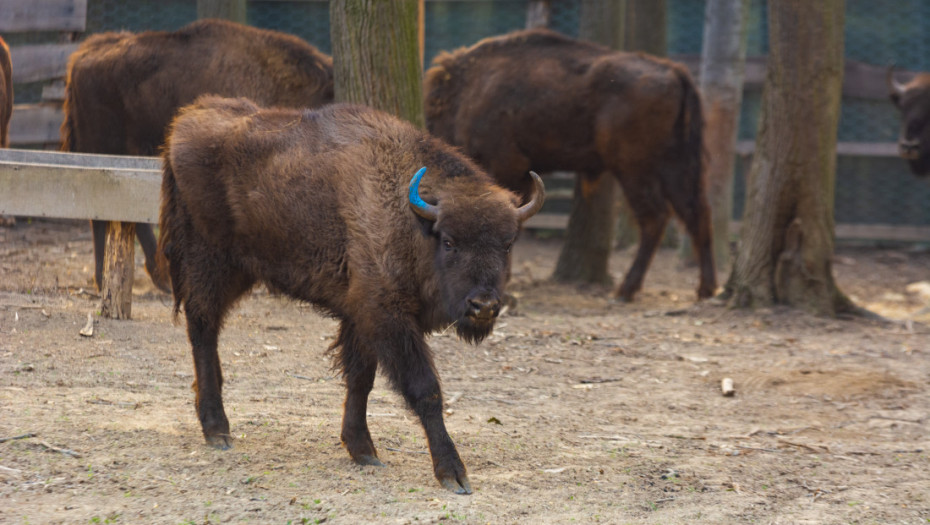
786, 243
590, 233
234, 10
722, 62
376, 55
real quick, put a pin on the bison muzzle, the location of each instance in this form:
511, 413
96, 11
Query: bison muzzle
316, 205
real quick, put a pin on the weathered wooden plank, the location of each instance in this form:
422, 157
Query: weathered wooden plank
39, 190
852, 149
54, 91
29, 156
17, 16
119, 259
35, 124
40, 62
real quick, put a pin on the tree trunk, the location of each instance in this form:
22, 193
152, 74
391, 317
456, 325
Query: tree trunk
118, 264
228, 9
786, 243
722, 62
538, 13
590, 233
376, 55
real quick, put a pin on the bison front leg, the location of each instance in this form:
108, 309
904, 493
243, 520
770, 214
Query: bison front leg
358, 364
413, 373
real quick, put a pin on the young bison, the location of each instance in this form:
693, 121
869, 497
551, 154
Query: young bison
123, 89
315, 205
913, 101
539, 100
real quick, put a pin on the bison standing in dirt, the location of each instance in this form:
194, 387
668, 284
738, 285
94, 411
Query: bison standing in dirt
913, 101
123, 89
316, 205
6, 94
539, 100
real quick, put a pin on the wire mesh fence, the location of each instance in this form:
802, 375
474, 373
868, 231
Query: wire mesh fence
869, 189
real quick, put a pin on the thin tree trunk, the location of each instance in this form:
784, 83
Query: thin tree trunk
234, 10
118, 265
786, 243
723, 59
590, 233
376, 55
538, 13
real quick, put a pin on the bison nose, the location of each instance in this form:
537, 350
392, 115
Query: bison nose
484, 306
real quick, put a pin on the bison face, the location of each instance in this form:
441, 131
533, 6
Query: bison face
913, 100
475, 224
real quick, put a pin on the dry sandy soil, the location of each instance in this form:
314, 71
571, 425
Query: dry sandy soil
576, 410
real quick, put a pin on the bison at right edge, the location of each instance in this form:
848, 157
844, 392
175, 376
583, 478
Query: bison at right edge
542, 101
316, 205
913, 101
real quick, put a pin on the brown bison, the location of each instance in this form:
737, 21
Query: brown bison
539, 100
6, 94
913, 100
123, 90
316, 205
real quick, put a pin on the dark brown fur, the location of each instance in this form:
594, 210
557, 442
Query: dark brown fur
6, 94
539, 100
313, 204
913, 100
123, 89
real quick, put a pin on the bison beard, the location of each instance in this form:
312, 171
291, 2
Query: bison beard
316, 205
539, 100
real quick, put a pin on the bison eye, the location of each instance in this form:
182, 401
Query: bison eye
447, 244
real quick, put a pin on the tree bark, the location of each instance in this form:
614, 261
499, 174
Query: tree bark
538, 13
591, 224
786, 243
234, 10
118, 264
376, 55
723, 60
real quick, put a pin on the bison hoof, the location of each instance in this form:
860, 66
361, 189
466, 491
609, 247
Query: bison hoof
458, 485
366, 459
220, 441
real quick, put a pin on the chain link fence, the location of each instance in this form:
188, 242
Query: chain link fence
869, 189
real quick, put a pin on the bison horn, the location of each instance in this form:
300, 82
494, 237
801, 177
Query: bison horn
419, 206
536, 201
894, 87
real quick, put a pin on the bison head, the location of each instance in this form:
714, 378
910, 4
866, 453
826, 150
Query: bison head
474, 227
913, 100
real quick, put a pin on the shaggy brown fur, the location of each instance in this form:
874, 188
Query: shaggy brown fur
6, 94
539, 100
913, 100
313, 204
123, 89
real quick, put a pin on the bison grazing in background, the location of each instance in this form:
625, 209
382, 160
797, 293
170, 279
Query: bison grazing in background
539, 100
6, 94
913, 100
123, 89
316, 205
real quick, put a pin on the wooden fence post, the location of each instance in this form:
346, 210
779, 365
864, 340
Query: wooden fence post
118, 263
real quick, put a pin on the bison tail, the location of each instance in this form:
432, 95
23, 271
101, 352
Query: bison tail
67, 125
690, 128
170, 219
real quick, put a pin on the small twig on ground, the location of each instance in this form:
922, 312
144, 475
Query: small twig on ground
812, 448
12, 471
64, 451
404, 451
302, 377
757, 448
599, 380
21, 436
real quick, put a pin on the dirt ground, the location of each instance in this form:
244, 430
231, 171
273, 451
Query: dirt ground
576, 410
